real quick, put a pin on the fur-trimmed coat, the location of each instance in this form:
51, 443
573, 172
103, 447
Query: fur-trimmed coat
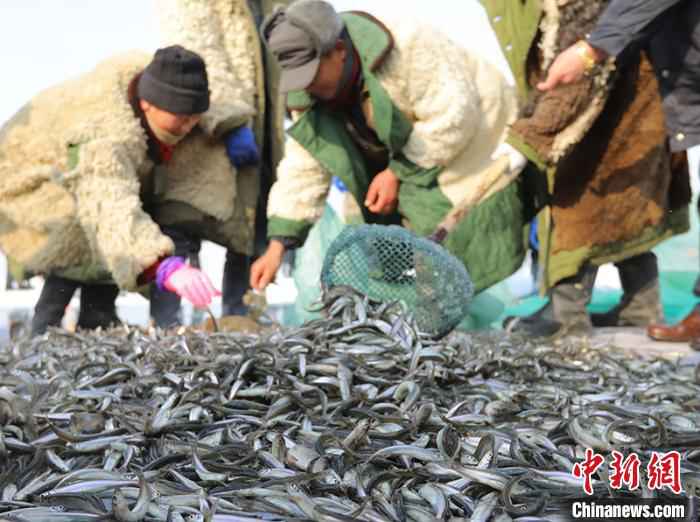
459, 107
602, 142
225, 34
243, 78
82, 216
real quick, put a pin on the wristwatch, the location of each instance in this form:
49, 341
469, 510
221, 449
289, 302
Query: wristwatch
583, 49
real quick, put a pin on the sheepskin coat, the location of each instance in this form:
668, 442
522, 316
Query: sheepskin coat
72, 164
243, 79
440, 111
614, 189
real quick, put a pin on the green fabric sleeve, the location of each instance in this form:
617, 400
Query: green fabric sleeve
409, 172
281, 227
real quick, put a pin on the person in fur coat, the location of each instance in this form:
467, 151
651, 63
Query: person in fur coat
84, 167
225, 33
405, 118
669, 29
612, 188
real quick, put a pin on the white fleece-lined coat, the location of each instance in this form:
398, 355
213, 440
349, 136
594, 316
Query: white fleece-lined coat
88, 222
459, 104
225, 34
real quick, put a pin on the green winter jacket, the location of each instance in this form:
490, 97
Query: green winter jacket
452, 153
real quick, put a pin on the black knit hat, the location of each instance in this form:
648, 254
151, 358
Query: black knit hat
176, 81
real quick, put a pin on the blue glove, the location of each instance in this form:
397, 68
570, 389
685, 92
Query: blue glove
241, 147
534, 240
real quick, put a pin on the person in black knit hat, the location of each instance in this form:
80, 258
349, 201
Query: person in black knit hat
245, 71
176, 81
97, 178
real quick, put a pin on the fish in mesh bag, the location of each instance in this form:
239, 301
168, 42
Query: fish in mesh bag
390, 263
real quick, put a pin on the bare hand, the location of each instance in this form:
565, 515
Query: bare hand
265, 268
383, 193
569, 66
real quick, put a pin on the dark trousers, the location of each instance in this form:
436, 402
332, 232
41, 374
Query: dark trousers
235, 283
164, 307
97, 304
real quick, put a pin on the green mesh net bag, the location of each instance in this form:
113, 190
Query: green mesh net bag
389, 263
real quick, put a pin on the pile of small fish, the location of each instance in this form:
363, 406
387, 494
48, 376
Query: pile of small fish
355, 416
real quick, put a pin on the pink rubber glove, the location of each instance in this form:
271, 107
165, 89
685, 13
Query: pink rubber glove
186, 281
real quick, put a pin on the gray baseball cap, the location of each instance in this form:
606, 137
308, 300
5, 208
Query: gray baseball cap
298, 36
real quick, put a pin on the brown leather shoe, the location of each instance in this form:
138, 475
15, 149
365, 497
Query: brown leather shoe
683, 332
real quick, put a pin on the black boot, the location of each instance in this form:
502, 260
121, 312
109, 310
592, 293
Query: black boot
543, 316
235, 283
565, 314
98, 306
537, 326
641, 298
55, 296
570, 297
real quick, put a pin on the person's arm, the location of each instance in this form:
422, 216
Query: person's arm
557, 120
442, 98
124, 237
296, 202
625, 22
106, 190
298, 196
438, 92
